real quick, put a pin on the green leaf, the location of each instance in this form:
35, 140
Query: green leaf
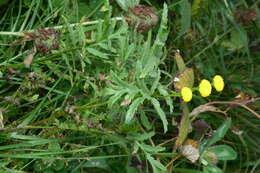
219, 134
239, 38
132, 109
185, 17
154, 56
113, 99
164, 92
125, 4
162, 34
155, 164
149, 66
58, 165
161, 114
211, 169
237, 41
156, 81
223, 152
149, 148
145, 122
143, 88
198, 5
184, 170
115, 78
141, 137
97, 53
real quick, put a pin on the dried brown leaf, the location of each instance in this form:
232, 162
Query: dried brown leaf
27, 62
1, 119
205, 108
184, 79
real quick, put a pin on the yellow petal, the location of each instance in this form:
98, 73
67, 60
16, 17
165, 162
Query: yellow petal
205, 88
186, 94
218, 83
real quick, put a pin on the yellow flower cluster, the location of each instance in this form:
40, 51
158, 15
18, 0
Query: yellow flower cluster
204, 88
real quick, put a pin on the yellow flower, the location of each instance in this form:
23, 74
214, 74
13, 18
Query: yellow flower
205, 88
186, 94
218, 83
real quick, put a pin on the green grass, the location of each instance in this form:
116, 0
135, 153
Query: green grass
104, 99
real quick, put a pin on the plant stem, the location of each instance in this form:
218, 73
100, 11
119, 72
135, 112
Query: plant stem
21, 34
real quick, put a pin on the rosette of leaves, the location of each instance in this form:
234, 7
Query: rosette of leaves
141, 17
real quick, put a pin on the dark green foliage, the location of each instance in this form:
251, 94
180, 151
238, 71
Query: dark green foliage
98, 96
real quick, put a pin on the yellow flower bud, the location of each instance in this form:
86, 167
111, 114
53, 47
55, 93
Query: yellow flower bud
205, 88
186, 94
218, 83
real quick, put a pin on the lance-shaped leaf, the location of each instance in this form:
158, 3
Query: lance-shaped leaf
184, 126
223, 152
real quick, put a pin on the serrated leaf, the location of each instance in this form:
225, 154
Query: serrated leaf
156, 81
145, 122
143, 88
162, 34
223, 152
132, 109
184, 79
161, 114
149, 66
115, 78
116, 97
157, 52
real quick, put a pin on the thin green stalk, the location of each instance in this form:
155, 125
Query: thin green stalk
21, 33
